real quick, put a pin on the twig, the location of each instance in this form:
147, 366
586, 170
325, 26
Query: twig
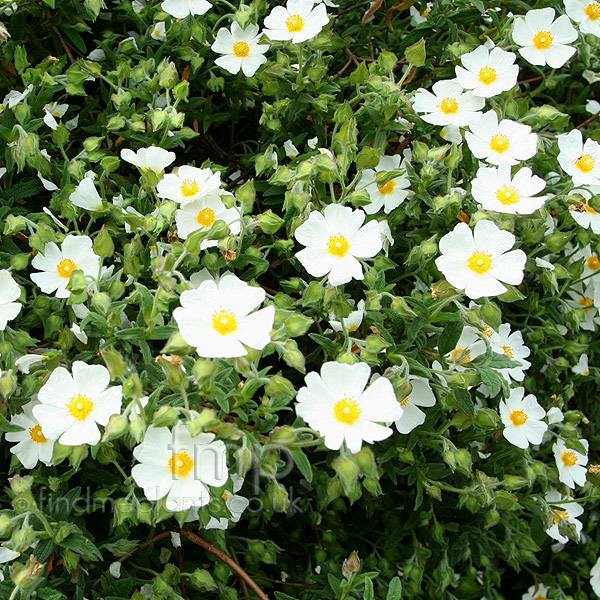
301, 585
64, 44
587, 121
242, 582
351, 8
180, 561
196, 539
341, 71
530, 80
351, 56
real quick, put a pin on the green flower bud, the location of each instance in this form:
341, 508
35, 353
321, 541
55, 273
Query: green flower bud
557, 240
101, 301
22, 538
114, 362
246, 194
6, 525
514, 482
19, 262
204, 369
244, 460
486, 419
455, 156
165, 416
463, 461
202, 580
117, 426
292, 356
449, 459
269, 222
406, 456
279, 387
347, 358
347, 470
506, 501
368, 158
8, 385
137, 428
77, 455
416, 54
280, 499
145, 513
298, 325
124, 510
351, 565
366, 461
205, 420
133, 387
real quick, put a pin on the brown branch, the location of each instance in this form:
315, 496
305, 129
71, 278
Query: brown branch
196, 539
587, 121
341, 71
351, 56
242, 582
530, 80
64, 44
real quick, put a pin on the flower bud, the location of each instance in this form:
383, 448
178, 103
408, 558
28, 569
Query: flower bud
269, 222
8, 385
117, 426
463, 461
101, 301
244, 460
347, 470
124, 510
165, 416
103, 244
351, 565
145, 513
202, 580
114, 362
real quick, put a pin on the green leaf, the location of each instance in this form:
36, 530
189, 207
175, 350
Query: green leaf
416, 53
450, 336
302, 463
7, 426
368, 594
282, 596
465, 402
395, 589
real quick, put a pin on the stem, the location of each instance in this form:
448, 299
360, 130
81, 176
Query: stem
299, 78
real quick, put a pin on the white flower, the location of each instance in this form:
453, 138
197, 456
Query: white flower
416, 18
25, 362
180, 9
592, 106
595, 578
511, 344
6, 554
201, 215
48, 185
235, 503
536, 592
580, 161
79, 333
452, 134
352, 322
504, 142
496, 189
241, 49
543, 39
468, 347
72, 406
218, 320
335, 240
582, 366
115, 569
9, 292
421, 395
336, 404
487, 73
57, 264
14, 97
587, 14
478, 261
563, 510
555, 415
176, 465
159, 31
188, 185
152, 158
32, 445
570, 464
387, 239
290, 150
584, 297
585, 215
544, 264
449, 104
298, 21
86, 195
390, 195
522, 418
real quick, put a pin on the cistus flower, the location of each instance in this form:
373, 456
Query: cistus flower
536, 592
335, 240
449, 104
189, 184
57, 264
32, 446
158, 32
496, 189
297, 21
336, 404
86, 195
563, 510
201, 214
582, 366
468, 347
587, 14
412, 415
152, 158
584, 297
543, 40
478, 261
522, 418
240, 48
218, 318
175, 465
585, 215
580, 161
390, 195
352, 322
504, 142
9, 292
595, 578
72, 406
570, 464
487, 73
180, 9
511, 345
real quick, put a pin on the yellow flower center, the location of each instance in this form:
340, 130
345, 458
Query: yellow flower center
294, 23
449, 106
35, 433
585, 163
225, 496
80, 407
569, 459
65, 267
206, 217
404, 402
587, 302
488, 331
542, 40
499, 143
507, 195
518, 417
456, 355
346, 411
487, 75
593, 263
241, 49
593, 11
540, 598
180, 464
189, 187
586, 373
338, 246
480, 262
508, 351
224, 322
560, 514
388, 188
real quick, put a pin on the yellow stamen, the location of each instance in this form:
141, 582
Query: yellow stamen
480, 262
80, 407
189, 187
241, 49
487, 75
508, 351
338, 246
569, 459
593, 11
499, 143
65, 267
586, 163
180, 464
593, 263
518, 417
507, 195
543, 40
224, 322
206, 217
449, 106
294, 23
35, 433
587, 302
560, 514
388, 188
456, 355
347, 411
404, 402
